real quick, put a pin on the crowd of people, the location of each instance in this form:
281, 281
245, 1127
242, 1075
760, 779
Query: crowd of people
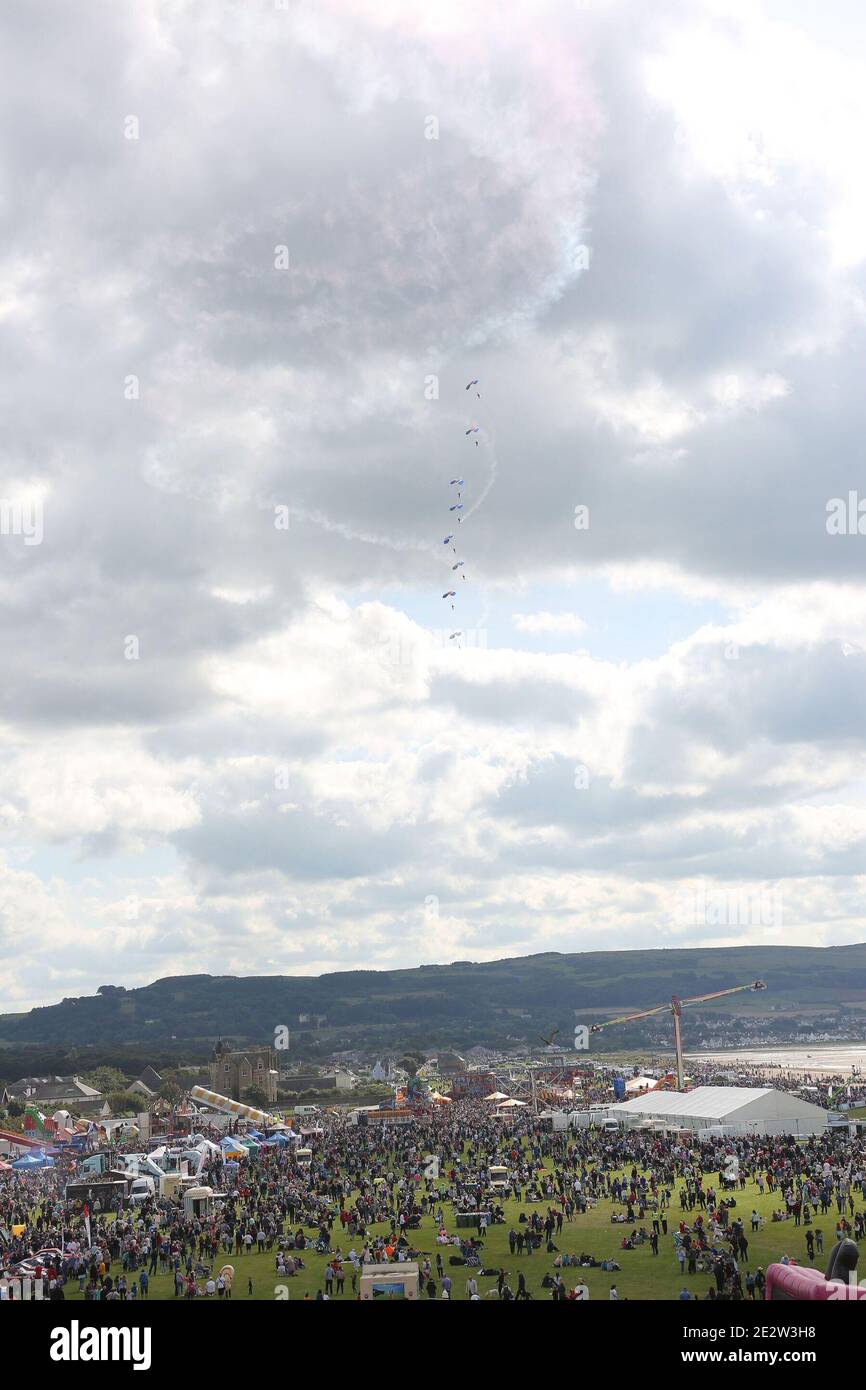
363, 1199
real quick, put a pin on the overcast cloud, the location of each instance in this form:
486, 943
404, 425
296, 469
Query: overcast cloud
232, 745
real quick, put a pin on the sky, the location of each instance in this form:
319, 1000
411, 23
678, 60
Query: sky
251, 256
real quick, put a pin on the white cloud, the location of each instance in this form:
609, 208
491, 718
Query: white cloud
300, 758
549, 622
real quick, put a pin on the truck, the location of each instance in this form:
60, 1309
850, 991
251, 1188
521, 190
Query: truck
103, 1188
583, 1119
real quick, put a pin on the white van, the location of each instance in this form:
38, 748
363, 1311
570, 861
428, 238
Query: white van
303, 1111
497, 1176
304, 1155
141, 1190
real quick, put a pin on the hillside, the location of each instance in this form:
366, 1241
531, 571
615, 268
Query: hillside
436, 1004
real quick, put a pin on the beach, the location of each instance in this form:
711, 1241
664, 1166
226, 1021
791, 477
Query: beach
832, 1059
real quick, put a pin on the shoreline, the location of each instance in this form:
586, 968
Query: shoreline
831, 1060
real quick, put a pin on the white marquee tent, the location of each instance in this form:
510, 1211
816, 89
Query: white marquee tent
738, 1109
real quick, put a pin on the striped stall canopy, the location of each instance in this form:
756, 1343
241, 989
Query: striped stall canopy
232, 1107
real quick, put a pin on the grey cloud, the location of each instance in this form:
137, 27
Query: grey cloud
519, 701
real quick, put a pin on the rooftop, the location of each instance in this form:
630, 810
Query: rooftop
710, 1102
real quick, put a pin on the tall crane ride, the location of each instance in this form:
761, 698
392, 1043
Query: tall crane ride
675, 1007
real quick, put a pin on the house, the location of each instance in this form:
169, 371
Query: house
26, 1087
149, 1084
450, 1063
233, 1074
307, 1081
343, 1080
53, 1092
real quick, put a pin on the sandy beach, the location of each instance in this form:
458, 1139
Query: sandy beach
829, 1060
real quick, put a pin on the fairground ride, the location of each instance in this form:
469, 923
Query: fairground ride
675, 1007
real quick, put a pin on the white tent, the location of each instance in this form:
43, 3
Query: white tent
739, 1109
641, 1083
207, 1149
496, 1095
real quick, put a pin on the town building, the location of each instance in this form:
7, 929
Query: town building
233, 1074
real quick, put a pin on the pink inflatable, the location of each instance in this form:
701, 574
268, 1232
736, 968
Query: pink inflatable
803, 1284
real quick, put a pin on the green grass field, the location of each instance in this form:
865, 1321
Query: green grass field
643, 1275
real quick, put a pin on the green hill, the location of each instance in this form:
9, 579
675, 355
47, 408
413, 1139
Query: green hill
459, 1003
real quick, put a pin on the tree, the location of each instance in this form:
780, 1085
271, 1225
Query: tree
105, 1079
170, 1092
254, 1095
124, 1103
174, 1076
